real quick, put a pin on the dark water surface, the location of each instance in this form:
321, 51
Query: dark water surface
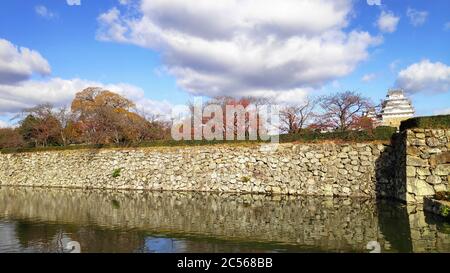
45, 220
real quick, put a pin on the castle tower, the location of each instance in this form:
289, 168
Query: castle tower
396, 108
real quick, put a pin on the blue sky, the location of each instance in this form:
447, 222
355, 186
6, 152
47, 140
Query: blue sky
68, 42
161, 53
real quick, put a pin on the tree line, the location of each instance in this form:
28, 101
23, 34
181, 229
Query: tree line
339, 112
98, 116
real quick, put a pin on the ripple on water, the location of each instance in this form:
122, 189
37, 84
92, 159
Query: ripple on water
44, 220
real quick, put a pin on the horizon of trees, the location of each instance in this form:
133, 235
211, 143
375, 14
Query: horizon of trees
98, 116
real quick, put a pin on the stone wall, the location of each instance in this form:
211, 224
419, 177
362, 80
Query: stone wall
414, 165
427, 163
296, 169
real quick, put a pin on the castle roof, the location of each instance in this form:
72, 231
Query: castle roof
396, 104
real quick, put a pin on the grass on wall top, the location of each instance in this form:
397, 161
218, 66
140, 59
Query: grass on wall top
382, 133
433, 122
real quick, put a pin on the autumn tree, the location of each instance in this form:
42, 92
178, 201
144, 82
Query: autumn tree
239, 116
106, 117
10, 138
91, 99
295, 117
342, 110
27, 129
97, 111
363, 123
40, 127
67, 128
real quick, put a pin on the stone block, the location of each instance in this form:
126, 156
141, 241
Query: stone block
433, 142
440, 187
434, 179
442, 158
419, 187
417, 142
420, 135
443, 169
410, 171
434, 151
423, 171
416, 161
414, 151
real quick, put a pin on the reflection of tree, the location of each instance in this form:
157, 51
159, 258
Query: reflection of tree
29, 233
394, 225
95, 240
48, 237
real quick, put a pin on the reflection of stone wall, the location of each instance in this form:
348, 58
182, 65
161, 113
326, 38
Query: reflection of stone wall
427, 163
425, 231
314, 223
314, 169
327, 223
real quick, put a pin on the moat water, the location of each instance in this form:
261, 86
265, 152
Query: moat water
45, 220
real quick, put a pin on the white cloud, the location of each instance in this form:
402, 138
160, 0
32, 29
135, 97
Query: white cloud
4, 124
18, 64
374, 2
44, 12
124, 2
387, 22
425, 76
442, 112
447, 26
60, 92
416, 17
369, 77
231, 47
74, 2
18, 91
394, 64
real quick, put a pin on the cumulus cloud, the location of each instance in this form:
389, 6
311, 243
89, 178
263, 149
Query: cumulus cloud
60, 92
251, 47
19, 91
44, 12
368, 77
447, 26
74, 2
4, 124
20, 63
442, 112
387, 22
394, 64
417, 17
425, 76
374, 2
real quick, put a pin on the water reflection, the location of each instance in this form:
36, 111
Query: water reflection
44, 220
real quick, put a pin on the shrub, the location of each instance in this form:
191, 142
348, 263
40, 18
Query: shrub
384, 132
10, 138
155, 143
116, 173
245, 179
433, 122
442, 195
380, 133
